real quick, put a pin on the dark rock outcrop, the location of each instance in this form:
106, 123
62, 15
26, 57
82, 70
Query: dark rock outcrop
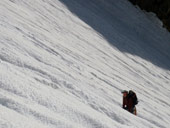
160, 7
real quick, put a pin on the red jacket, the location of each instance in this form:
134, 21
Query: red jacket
125, 101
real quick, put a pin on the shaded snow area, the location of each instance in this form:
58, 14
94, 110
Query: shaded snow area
63, 64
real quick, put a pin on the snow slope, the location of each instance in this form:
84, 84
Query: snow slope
64, 63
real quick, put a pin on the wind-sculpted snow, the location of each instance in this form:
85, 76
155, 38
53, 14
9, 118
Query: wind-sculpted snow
59, 71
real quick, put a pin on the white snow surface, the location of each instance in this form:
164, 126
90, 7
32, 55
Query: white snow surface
63, 64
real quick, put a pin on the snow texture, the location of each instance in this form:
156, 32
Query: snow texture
63, 64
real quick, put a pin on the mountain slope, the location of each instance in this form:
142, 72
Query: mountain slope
64, 63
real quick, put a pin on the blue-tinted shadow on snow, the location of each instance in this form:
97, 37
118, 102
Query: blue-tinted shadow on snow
125, 27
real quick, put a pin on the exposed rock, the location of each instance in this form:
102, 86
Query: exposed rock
160, 7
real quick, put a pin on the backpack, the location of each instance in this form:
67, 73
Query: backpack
135, 100
134, 97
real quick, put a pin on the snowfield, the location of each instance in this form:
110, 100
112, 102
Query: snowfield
64, 63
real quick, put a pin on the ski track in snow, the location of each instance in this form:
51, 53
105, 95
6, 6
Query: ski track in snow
56, 71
